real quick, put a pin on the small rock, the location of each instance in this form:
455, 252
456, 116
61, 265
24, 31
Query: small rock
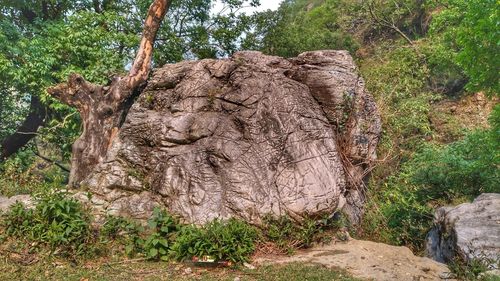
6, 203
446, 275
249, 266
188, 271
237, 278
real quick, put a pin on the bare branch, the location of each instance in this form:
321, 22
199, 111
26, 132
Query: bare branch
388, 24
52, 162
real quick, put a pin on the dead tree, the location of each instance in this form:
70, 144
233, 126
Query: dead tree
103, 108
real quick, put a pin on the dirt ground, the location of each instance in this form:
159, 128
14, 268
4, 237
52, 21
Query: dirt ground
368, 260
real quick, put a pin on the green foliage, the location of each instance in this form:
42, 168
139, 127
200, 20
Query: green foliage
23, 174
232, 240
466, 168
157, 245
42, 42
290, 235
17, 220
473, 270
281, 231
387, 16
439, 175
397, 77
471, 29
124, 232
301, 26
56, 221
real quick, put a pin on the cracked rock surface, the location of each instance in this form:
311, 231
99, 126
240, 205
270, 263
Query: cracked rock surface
470, 230
243, 137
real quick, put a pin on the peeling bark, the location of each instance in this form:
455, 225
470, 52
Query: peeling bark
102, 108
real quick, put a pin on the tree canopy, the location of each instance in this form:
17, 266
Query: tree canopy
42, 42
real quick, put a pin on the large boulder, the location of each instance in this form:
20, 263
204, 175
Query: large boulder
469, 230
243, 137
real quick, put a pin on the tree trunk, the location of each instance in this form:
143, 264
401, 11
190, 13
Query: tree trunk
26, 131
103, 108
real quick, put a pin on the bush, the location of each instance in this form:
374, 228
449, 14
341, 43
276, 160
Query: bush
465, 168
57, 221
289, 235
164, 226
124, 232
232, 240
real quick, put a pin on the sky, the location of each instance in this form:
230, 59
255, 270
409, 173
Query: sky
264, 5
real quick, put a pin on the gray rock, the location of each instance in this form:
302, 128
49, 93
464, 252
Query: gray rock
6, 203
243, 137
471, 230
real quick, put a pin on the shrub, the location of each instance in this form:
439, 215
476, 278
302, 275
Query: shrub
289, 235
232, 240
158, 243
57, 221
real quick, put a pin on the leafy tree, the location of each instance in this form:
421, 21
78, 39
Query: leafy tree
302, 25
404, 17
42, 42
471, 28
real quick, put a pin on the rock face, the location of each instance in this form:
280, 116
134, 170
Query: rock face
471, 230
243, 137
6, 203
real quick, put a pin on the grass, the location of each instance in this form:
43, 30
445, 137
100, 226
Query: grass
142, 270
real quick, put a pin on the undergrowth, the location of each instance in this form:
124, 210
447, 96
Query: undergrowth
57, 221
60, 226
436, 175
474, 269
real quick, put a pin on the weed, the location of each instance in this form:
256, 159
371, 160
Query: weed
123, 231
157, 244
289, 235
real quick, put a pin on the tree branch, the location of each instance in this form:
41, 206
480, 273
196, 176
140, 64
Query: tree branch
142, 65
27, 130
52, 162
385, 23
77, 92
